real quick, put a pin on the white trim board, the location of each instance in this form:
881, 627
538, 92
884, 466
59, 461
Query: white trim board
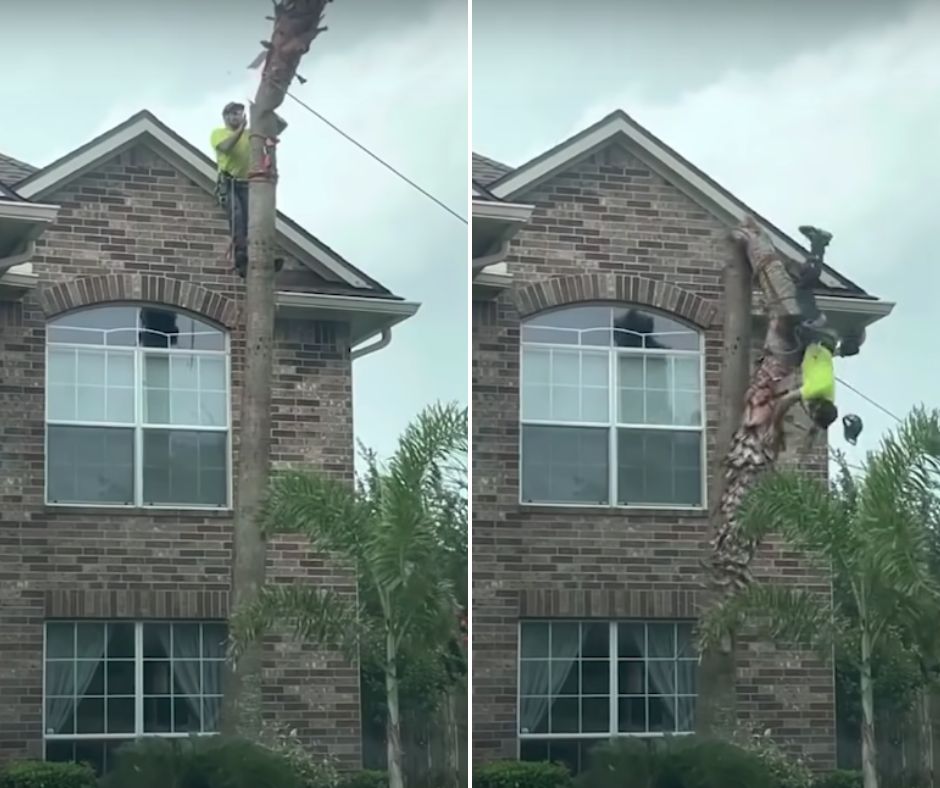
45, 180
655, 155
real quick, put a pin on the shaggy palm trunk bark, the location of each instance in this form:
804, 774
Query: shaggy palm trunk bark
393, 731
296, 24
717, 703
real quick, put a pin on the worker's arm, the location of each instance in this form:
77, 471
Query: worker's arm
229, 142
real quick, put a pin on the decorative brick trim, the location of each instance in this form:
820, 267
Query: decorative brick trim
608, 604
206, 605
91, 290
564, 290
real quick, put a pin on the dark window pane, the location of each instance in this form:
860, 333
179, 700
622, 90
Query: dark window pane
534, 639
186, 641
157, 715
92, 753
685, 637
662, 711
90, 679
175, 462
596, 640
533, 750
187, 677
89, 641
632, 715
688, 677
564, 715
533, 715
169, 329
120, 677
565, 464
60, 715
60, 678
212, 676
120, 641
157, 640
60, 751
121, 715
566, 639
534, 676
112, 325
157, 678
564, 677
211, 714
662, 676
685, 715
214, 639
60, 640
90, 465
631, 677
638, 328
631, 640
595, 677
186, 714
595, 715
658, 467
661, 639
89, 716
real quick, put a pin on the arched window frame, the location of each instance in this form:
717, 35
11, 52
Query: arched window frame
62, 332
534, 336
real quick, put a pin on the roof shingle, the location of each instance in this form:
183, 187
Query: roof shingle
486, 170
13, 170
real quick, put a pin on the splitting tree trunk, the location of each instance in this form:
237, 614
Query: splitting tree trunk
296, 25
750, 429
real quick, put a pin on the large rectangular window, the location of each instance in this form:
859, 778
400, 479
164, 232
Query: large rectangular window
612, 409
137, 409
581, 682
107, 682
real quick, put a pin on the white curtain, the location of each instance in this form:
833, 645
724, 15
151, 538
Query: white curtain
185, 672
662, 672
566, 642
60, 676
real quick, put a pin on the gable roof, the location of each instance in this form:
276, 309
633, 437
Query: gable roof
7, 194
486, 170
144, 127
653, 152
13, 170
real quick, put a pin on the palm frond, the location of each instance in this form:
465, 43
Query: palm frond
310, 614
780, 613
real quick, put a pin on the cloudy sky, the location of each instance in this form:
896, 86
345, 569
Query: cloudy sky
393, 75
821, 113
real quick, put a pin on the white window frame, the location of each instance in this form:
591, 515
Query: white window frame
612, 424
138, 425
139, 732
614, 713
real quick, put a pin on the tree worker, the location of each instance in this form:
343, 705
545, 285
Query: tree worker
233, 154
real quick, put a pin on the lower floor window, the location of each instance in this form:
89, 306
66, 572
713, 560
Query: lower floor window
110, 682
581, 682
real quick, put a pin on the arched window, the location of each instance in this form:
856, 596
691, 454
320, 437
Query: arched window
612, 409
137, 409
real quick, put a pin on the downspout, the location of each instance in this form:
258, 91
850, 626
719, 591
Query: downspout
479, 263
383, 341
7, 263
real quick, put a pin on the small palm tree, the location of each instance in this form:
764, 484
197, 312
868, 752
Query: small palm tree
875, 532
400, 529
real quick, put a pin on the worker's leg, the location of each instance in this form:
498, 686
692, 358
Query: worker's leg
240, 224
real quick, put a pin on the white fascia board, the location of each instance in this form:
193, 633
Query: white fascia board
505, 211
367, 316
73, 164
28, 211
526, 176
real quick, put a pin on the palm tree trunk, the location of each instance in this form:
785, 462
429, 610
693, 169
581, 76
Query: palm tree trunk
869, 750
925, 730
393, 733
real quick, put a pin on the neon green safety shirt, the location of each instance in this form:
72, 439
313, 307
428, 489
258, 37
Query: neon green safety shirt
819, 377
236, 161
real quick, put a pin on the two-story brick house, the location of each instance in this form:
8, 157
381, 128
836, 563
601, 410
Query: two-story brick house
121, 356
597, 322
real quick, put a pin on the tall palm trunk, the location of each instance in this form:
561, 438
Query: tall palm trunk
925, 736
393, 732
869, 748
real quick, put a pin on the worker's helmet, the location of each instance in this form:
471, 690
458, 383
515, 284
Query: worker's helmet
231, 106
851, 427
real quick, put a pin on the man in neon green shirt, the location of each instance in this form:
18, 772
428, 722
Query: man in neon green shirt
231, 145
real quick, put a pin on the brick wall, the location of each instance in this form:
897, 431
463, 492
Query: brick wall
608, 229
137, 229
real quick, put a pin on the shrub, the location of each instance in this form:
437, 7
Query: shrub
788, 771
622, 763
839, 779
521, 774
370, 778
38, 774
314, 772
200, 762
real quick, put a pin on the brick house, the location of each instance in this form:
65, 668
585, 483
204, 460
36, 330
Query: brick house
597, 320
121, 355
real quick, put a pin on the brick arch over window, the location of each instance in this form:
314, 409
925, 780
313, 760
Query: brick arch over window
99, 290
568, 290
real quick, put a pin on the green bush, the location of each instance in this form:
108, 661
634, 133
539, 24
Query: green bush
370, 778
521, 774
200, 762
686, 762
839, 779
38, 774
